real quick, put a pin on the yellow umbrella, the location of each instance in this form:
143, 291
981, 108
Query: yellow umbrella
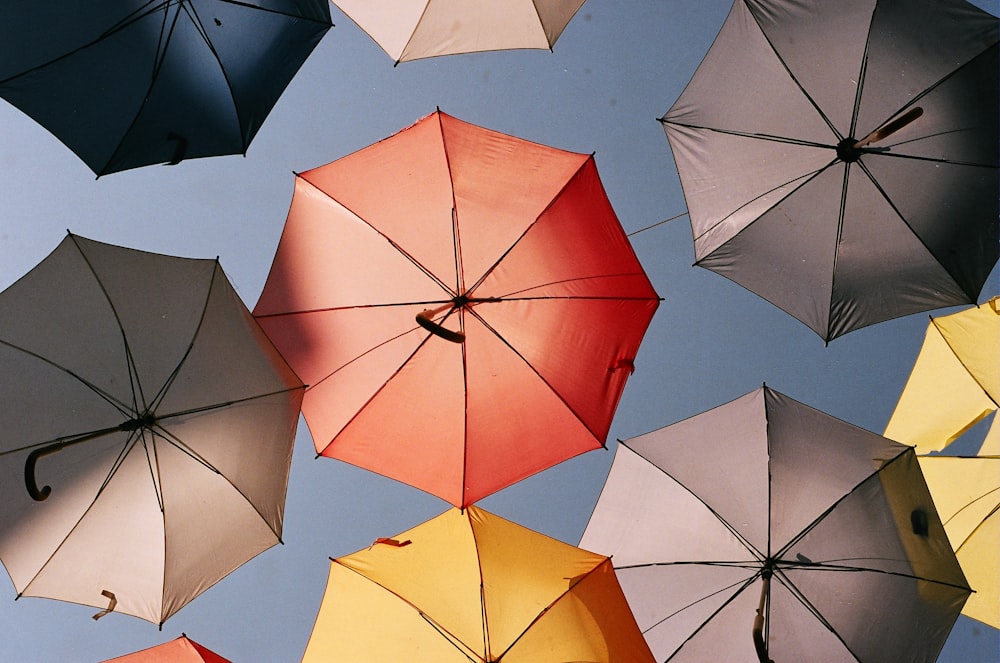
966, 492
955, 381
471, 586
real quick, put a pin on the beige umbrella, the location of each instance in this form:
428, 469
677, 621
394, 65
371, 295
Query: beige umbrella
414, 29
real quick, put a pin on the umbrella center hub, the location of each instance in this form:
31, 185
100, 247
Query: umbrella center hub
460, 300
145, 421
846, 150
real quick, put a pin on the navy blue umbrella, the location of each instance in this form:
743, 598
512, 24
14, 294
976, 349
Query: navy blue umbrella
129, 83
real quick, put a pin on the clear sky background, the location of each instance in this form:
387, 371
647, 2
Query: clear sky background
618, 66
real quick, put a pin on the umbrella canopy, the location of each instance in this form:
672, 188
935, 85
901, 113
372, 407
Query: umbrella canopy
955, 380
128, 84
463, 305
966, 492
180, 650
764, 506
413, 29
839, 158
147, 429
469, 586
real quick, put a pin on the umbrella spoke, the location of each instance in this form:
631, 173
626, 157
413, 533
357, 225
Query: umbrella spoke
802, 179
124, 409
134, 382
158, 398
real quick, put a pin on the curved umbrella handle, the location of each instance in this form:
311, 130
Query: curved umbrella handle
424, 320
37, 494
41, 494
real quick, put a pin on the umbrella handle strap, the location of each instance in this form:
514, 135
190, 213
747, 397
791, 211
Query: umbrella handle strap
112, 602
424, 320
758, 622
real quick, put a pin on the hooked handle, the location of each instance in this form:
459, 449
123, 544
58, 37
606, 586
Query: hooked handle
424, 320
39, 495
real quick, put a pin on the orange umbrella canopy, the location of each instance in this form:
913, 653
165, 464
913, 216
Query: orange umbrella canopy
463, 304
179, 650
469, 586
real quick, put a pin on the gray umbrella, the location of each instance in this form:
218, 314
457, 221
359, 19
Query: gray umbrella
839, 159
766, 529
146, 430
129, 83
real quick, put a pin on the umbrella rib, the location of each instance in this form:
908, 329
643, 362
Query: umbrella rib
192, 13
222, 404
133, 373
455, 238
573, 582
882, 152
126, 448
888, 200
704, 623
954, 353
125, 22
510, 296
739, 537
181, 446
161, 49
992, 513
930, 88
748, 134
795, 80
841, 213
828, 567
442, 631
271, 10
392, 243
368, 351
112, 401
808, 528
527, 363
161, 394
487, 651
378, 390
489, 270
806, 178
807, 604
744, 583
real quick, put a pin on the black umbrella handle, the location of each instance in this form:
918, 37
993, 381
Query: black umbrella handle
40, 494
424, 320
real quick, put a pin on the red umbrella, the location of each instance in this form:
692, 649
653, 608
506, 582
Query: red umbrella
179, 650
463, 304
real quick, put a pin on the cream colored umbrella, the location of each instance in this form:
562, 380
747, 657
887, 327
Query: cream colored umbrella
414, 29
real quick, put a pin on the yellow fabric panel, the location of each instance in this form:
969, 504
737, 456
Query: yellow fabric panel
942, 398
438, 571
991, 445
966, 493
591, 622
980, 557
974, 336
524, 572
361, 621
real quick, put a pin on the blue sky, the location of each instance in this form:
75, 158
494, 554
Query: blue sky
616, 68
